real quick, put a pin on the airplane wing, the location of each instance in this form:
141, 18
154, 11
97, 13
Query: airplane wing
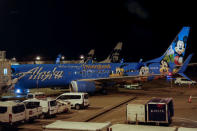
126, 79
91, 85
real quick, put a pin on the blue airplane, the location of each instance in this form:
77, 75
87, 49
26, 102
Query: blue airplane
87, 76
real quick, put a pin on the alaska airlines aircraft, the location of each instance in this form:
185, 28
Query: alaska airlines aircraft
114, 55
85, 77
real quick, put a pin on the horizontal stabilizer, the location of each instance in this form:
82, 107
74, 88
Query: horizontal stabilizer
184, 66
183, 75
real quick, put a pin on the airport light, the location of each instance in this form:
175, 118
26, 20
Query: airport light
81, 57
18, 91
38, 58
62, 57
14, 59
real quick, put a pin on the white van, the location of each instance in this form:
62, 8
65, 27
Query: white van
49, 107
12, 112
37, 95
33, 109
77, 100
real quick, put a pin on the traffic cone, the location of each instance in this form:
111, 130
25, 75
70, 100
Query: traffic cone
190, 99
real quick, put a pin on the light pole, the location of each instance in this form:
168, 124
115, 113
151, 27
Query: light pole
38, 58
81, 57
62, 57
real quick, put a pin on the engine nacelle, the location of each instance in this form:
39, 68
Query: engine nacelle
83, 86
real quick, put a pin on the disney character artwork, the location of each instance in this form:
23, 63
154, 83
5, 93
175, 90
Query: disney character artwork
176, 52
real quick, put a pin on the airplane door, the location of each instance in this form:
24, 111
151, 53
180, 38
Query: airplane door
84, 73
89, 73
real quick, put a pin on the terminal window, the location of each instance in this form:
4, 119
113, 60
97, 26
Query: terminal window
5, 71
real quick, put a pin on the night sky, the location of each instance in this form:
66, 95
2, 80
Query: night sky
73, 27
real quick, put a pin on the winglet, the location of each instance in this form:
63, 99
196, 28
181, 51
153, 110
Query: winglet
58, 59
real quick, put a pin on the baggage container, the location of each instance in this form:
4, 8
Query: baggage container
156, 110
126, 127
76, 126
160, 110
186, 129
136, 111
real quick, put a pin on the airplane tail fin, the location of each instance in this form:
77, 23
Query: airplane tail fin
176, 51
58, 59
114, 55
89, 57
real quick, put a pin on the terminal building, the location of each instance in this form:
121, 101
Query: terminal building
5, 71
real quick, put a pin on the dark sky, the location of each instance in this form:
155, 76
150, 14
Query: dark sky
73, 27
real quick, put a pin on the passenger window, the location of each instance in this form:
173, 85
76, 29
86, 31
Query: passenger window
36, 104
67, 97
86, 96
30, 96
18, 109
30, 105
53, 103
40, 96
64, 97
3, 109
75, 97
61, 98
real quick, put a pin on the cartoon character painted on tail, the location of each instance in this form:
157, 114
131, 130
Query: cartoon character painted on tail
176, 51
179, 51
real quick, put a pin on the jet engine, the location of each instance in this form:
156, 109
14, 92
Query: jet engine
82, 86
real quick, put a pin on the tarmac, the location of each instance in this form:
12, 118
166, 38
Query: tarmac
112, 107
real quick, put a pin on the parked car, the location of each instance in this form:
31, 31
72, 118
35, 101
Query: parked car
37, 95
181, 81
77, 100
33, 109
63, 106
12, 112
133, 86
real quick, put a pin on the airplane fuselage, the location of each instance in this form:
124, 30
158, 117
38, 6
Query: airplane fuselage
49, 75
